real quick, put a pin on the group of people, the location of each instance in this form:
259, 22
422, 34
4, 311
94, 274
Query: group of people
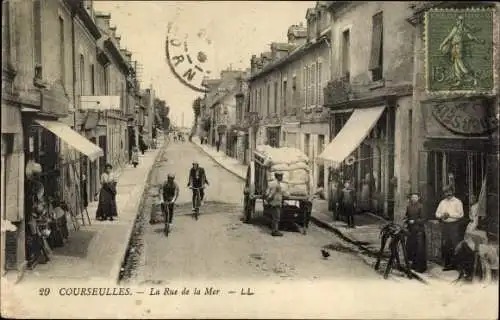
169, 190
450, 213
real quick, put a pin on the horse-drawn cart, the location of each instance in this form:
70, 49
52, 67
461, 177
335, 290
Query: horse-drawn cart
297, 206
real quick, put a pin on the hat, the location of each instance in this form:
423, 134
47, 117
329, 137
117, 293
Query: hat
448, 189
412, 192
278, 173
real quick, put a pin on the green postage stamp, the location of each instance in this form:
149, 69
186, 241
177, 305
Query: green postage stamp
459, 50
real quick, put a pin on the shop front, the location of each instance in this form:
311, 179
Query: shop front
362, 151
460, 149
52, 195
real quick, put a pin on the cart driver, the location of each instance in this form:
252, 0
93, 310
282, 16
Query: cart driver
274, 197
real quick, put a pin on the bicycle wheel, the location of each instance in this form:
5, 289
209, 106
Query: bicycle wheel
167, 219
197, 205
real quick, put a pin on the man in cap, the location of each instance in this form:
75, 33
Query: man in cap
450, 211
274, 197
197, 181
169, 194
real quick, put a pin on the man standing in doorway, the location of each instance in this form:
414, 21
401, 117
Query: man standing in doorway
450, 211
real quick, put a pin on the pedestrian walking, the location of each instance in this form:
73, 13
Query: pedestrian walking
142, 144
274, 197
450, 212
416, 243
135, 156
106, 208
347, 203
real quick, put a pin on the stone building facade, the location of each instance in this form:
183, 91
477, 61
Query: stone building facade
369, 99
286, 87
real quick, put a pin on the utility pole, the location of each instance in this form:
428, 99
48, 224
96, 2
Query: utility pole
182, 120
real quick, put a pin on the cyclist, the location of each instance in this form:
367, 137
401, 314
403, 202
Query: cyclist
197, 181
169, 193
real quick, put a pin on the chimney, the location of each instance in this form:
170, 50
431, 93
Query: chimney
279, 50
253, 64
297, 34
113, 31
118, 39
102, 20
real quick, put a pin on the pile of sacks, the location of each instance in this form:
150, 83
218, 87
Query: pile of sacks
294, 165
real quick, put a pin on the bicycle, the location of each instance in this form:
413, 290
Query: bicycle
197, 203
166, 211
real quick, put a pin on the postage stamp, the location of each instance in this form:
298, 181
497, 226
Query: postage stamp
189, 55
459, 51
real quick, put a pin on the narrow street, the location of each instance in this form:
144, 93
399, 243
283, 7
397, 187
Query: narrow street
220, 246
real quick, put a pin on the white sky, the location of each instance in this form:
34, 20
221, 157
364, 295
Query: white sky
237, 29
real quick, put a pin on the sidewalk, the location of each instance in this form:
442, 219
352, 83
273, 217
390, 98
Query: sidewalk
96, 251
366, 235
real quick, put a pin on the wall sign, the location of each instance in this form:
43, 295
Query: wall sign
466, 117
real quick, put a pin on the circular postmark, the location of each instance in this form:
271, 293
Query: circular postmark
189, 55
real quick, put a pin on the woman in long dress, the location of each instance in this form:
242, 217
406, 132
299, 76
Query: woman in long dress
416, 242
106, 209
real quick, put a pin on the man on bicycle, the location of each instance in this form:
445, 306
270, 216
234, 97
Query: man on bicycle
197, 181
170, 193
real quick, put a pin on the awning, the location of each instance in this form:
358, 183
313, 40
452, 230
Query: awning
73, 138
351, 135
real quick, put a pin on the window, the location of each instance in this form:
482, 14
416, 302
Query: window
6, 32
377, 49
275, 93
37, 34
92, 79
62, 52
304, 87
320, 84
313, 84
284, 95
106, 81
268, 96
82, 75
346, 54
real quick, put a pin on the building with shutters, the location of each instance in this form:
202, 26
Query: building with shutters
286, 86
370, 100
54, 54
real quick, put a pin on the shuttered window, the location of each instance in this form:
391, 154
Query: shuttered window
313, 84
304, 85
376, 56
320, 84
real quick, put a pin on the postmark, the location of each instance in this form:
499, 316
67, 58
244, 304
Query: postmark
459, 50
189, 55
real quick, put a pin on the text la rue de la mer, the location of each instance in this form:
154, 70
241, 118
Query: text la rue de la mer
207, 291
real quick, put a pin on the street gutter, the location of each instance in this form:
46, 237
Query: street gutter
116, 269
